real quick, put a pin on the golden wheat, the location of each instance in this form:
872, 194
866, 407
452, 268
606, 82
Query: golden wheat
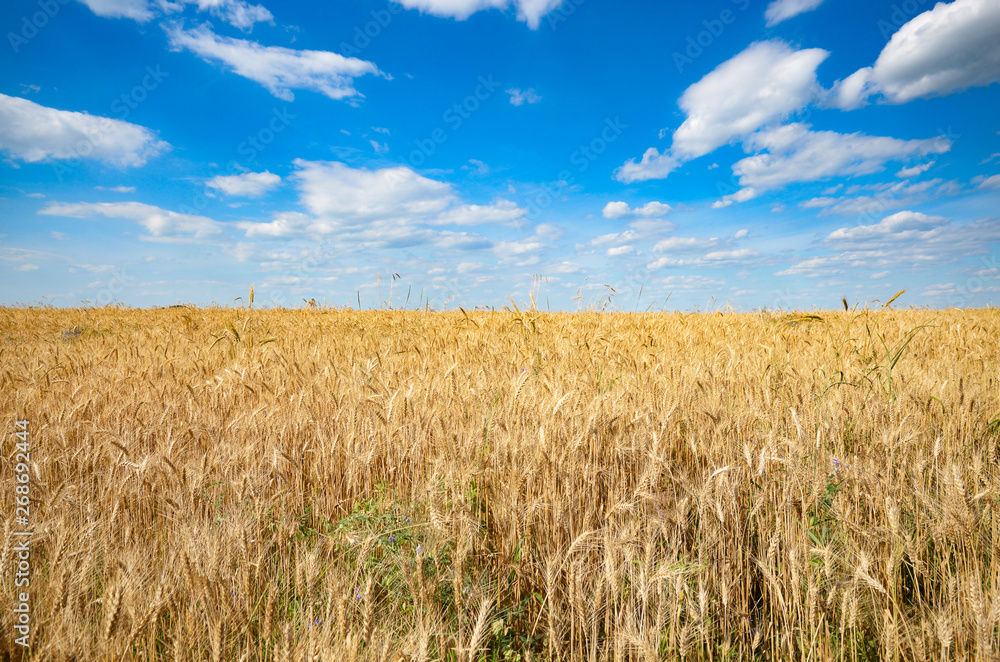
288, 484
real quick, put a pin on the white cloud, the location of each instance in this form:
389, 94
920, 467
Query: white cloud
885, 198
380, 207
565, 267
137, 10
913, 171
334, 191
781, 10
529, 11
278, 69
160, 223
903, 242
900, 225
380, 148
116, 189
794, 153
614, 210
681, 244
519, 97
742, 195
992, 183
615, 251
654, 165
285, 224
766, 82
730, 255
947, 49
33, 133
246, 185
235, 12
710, 259
28, 267
741, 234
500, 211
763, 84
477, 165
614, 238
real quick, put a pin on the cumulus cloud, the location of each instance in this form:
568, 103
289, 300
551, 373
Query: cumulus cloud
904, 241
653, 165
160, 223
614, 210
31, 132
245, 185
901, 225
781, 10
684, 244
278, 69
520, 97
725, 258
794, 153
947, 49
388, 207
528, 11
765, 83
500, 211
619, 238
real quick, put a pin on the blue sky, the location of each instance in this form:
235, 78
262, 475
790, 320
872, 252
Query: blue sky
470, 152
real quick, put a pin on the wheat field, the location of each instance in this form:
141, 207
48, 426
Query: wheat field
237, 484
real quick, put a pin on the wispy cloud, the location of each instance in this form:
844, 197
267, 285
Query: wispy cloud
278, 69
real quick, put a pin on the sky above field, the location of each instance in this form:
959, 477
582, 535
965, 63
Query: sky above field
622, 155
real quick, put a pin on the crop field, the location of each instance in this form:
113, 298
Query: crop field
241, 484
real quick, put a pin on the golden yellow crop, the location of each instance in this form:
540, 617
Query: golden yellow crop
241, 484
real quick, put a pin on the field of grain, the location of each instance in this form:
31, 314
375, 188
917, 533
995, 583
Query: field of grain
234, 484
